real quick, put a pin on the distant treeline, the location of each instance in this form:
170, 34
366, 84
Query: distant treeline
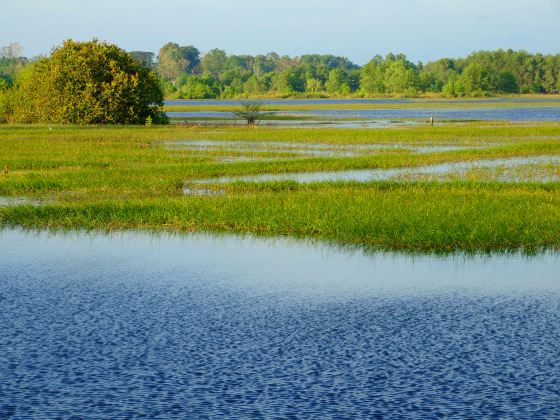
188, 74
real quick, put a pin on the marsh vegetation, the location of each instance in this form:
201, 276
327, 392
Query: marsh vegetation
134, 178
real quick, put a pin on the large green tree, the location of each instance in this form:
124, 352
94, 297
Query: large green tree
212, 63
173, 60
87, 83
372, 77
146, 58
290, 81
475, 79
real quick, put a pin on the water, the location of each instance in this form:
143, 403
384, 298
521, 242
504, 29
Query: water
225, 118
380, 118
235, 102
366, 175
514, 114
308, 149
133, 325
6, 201
383, 117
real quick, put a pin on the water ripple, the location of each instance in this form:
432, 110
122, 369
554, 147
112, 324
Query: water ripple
101, 333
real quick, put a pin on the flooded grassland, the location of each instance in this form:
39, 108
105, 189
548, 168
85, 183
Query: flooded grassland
467, 186
426, 285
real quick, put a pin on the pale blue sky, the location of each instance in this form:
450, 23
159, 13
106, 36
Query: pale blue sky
358, 29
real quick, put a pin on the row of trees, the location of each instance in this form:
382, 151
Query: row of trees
93, 82
187, 74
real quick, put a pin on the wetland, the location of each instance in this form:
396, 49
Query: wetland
219, 270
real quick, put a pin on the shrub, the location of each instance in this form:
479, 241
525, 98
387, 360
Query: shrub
87, 83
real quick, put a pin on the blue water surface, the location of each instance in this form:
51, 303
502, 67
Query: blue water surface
513, 114
195, 102
138, 326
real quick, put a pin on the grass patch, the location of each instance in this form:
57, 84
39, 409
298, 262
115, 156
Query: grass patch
125, 178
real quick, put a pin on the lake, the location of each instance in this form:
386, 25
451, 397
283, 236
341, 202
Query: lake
380, 101
138, 325
381, 118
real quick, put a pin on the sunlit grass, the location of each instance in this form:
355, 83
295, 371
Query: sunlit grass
128, 178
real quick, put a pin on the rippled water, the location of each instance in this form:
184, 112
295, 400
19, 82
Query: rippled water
132, 325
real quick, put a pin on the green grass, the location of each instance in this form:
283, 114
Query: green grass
126, 178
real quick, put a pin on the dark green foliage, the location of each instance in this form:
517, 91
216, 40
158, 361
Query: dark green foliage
213, 62
174, 60
185, 74
480, 74
291, 80
9, 68
86, 83
144, 57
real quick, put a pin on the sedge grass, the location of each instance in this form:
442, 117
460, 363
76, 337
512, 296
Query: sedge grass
125, 178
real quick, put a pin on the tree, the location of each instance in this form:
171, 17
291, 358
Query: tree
372, 78
289, 81
475, 79
4, 100
191, 86
174, 60
144, 57
505, 82
87, 83
264, 64
213, 62
11, 51
401, 76
255, 86
250, 112
454, 87
11, 61
441, 71
428, 82
313, 86
551, 77
338, 82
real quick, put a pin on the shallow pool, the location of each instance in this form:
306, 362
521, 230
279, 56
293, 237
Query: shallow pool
309, 149
458, 169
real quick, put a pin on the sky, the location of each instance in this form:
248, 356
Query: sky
424, 30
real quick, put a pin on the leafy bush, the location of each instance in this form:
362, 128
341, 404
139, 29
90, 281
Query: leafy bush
87, 83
